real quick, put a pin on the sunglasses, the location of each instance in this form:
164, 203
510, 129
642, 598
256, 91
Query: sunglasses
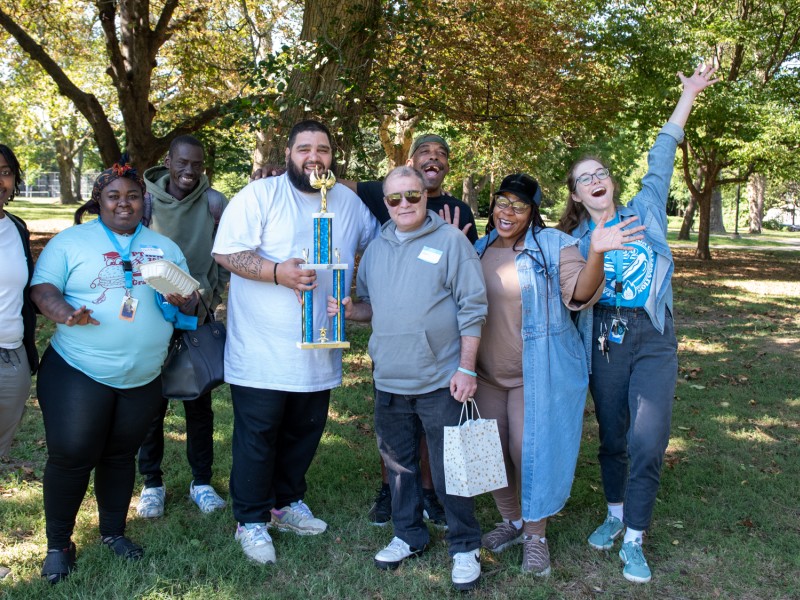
586, 178
503, 203
413, 196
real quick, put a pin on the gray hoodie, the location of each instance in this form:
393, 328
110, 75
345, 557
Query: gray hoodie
426, 292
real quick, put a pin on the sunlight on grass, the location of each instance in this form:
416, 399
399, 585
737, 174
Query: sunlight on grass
764, 288
752, 435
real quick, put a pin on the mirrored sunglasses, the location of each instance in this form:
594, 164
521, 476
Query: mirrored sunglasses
413, 196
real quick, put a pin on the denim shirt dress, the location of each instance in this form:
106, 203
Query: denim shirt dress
555, 376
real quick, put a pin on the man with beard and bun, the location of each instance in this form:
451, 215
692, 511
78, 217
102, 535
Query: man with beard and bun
181, 205
280, 393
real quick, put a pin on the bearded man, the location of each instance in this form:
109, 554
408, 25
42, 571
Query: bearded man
280, 393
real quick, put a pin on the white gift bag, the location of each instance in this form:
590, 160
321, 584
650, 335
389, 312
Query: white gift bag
473, 457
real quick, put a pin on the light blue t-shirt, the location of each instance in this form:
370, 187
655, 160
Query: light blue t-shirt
84, 265
637, 273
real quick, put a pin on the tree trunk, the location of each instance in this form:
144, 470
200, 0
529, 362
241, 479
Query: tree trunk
66, 170
756, 187
688, 219
703, 250
333, 89
470, 190
716, 224
396, 132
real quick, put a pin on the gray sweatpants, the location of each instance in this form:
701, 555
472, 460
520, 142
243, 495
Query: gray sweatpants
15, 388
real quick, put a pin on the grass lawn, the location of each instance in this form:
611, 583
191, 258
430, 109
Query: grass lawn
726, 524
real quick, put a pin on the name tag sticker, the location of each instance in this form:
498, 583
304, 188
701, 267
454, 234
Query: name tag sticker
430, 255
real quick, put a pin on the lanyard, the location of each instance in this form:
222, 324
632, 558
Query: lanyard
127, 266
618, 280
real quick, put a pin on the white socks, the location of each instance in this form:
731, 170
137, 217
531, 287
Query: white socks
615, 510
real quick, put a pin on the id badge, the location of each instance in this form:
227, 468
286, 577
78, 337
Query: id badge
616, 332
127, 312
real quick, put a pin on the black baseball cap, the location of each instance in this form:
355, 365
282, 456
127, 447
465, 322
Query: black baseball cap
525, 187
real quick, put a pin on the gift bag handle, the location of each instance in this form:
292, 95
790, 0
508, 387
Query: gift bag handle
469, 412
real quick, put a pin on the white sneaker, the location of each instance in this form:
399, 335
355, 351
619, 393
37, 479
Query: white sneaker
466, 570
298, 518
396, 552
151, 502
205, 497
256, 542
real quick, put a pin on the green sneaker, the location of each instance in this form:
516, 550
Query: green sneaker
603, 537
636, 568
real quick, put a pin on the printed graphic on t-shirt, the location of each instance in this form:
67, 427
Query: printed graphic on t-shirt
637, 273
112, 276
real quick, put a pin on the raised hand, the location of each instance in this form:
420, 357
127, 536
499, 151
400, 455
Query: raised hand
614, 237
702, 77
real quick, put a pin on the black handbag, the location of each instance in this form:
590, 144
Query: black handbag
195, 361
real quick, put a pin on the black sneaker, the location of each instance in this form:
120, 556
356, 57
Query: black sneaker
381, 512
432, 510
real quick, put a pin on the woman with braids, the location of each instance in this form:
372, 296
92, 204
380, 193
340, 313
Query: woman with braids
18, 357
634, 363
532, 374
99, 384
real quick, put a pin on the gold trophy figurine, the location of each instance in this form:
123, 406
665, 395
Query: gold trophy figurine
323, 184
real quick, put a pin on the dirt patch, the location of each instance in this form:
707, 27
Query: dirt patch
750, 264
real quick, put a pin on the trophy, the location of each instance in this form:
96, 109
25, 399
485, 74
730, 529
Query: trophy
323, 246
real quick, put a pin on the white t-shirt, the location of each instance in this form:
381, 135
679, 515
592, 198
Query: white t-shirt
13, 277
274, 219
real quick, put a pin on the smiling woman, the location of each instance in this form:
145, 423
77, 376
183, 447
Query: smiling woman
100, 386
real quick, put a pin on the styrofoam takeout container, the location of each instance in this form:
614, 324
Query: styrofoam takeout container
168, 278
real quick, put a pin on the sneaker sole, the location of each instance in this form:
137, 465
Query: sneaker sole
608, 546
392, 565
296, 530
377, 524
467, 585
635, 579
545, 573
502, 547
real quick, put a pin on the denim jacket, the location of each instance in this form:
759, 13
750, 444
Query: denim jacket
554, 374
650, 205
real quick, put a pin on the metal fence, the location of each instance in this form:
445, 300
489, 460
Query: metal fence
47, 185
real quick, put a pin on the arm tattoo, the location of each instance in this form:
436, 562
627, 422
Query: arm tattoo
247, 264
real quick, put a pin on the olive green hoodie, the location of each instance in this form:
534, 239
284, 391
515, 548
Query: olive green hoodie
190, 224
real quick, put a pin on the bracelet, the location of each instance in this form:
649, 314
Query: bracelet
275, 273
468, 372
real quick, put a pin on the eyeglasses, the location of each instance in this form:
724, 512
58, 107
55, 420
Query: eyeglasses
413, 196
586, 178
503, 203
6, 173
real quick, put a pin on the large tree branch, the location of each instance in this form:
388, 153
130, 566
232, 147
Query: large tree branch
87, 104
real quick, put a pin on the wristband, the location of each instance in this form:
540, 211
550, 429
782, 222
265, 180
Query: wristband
275, 273
468, 372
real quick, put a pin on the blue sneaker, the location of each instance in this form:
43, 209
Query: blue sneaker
603, 537
636, 568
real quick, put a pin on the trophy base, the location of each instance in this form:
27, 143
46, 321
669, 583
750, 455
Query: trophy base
322, 345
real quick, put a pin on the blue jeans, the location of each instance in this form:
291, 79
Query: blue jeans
399, 422
633, 392
275, 437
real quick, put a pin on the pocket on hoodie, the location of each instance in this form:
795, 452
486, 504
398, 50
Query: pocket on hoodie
402, 356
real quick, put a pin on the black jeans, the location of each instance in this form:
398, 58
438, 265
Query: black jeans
89, 425
399, 421
275, 437
199, 443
